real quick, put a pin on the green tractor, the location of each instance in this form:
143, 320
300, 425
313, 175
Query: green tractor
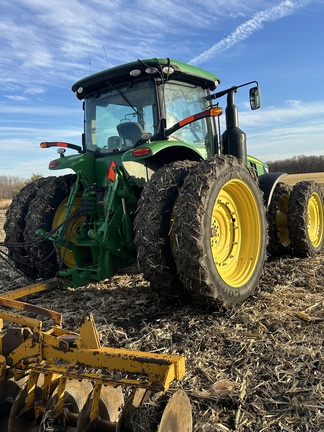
155, 180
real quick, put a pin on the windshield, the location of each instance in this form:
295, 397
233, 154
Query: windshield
116, 118
181, 101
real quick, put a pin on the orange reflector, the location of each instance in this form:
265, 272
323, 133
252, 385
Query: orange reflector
141, 151
43, 145
216, 111
53, 164
111, 172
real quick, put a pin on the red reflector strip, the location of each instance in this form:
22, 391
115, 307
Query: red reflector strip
187, 120
111, 172
141, 151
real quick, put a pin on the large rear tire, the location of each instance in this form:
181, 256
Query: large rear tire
220, 232
306, 219
152, 227
42, 215
15, 225
279, 240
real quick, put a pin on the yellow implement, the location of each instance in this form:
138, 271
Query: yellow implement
57, 379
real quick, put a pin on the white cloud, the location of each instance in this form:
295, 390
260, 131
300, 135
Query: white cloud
15, 98
33, 110
292, 111
33, 90
280, 132
61, 41
249, 27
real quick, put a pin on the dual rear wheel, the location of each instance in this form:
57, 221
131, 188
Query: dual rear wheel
39, 205
214, 230
296, 219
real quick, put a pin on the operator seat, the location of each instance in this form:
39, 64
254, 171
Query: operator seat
113, 143
130, 132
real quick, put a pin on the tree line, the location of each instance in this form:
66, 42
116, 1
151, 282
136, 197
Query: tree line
298, 164
11, 185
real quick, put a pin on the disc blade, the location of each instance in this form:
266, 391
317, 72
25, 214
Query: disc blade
9, 390
177, 415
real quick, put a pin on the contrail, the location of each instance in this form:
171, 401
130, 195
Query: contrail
249, 27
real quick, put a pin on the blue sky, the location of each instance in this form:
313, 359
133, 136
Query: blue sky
47, 45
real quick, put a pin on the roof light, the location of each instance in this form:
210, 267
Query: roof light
135, 72
168, 70
80, 90
151, 70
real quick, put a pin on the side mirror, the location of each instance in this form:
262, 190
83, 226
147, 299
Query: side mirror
255, 98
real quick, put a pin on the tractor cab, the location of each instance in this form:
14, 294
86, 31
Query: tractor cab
149, 113
141, 102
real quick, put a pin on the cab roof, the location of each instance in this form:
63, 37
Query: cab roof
170, 69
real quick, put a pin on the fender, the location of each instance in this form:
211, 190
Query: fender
154, 149
267, 183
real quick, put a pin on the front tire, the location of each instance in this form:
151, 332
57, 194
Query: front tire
220, 232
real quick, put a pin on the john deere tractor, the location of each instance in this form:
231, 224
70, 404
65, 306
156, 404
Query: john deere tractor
156, 181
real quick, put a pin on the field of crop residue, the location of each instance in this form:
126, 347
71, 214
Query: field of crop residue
294, 178
257, 367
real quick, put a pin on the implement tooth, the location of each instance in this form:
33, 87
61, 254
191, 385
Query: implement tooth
94, 411
101, 413
66, 403
21, 419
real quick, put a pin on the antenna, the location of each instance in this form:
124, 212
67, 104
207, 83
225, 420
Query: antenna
89, 56
104, 49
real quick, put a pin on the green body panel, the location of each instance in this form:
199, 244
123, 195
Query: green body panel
84, 163
161, 146
259, 166
90, 167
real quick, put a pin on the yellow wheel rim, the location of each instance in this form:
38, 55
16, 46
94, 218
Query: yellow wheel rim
282, 221
315, 220
236, 233
71, 231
